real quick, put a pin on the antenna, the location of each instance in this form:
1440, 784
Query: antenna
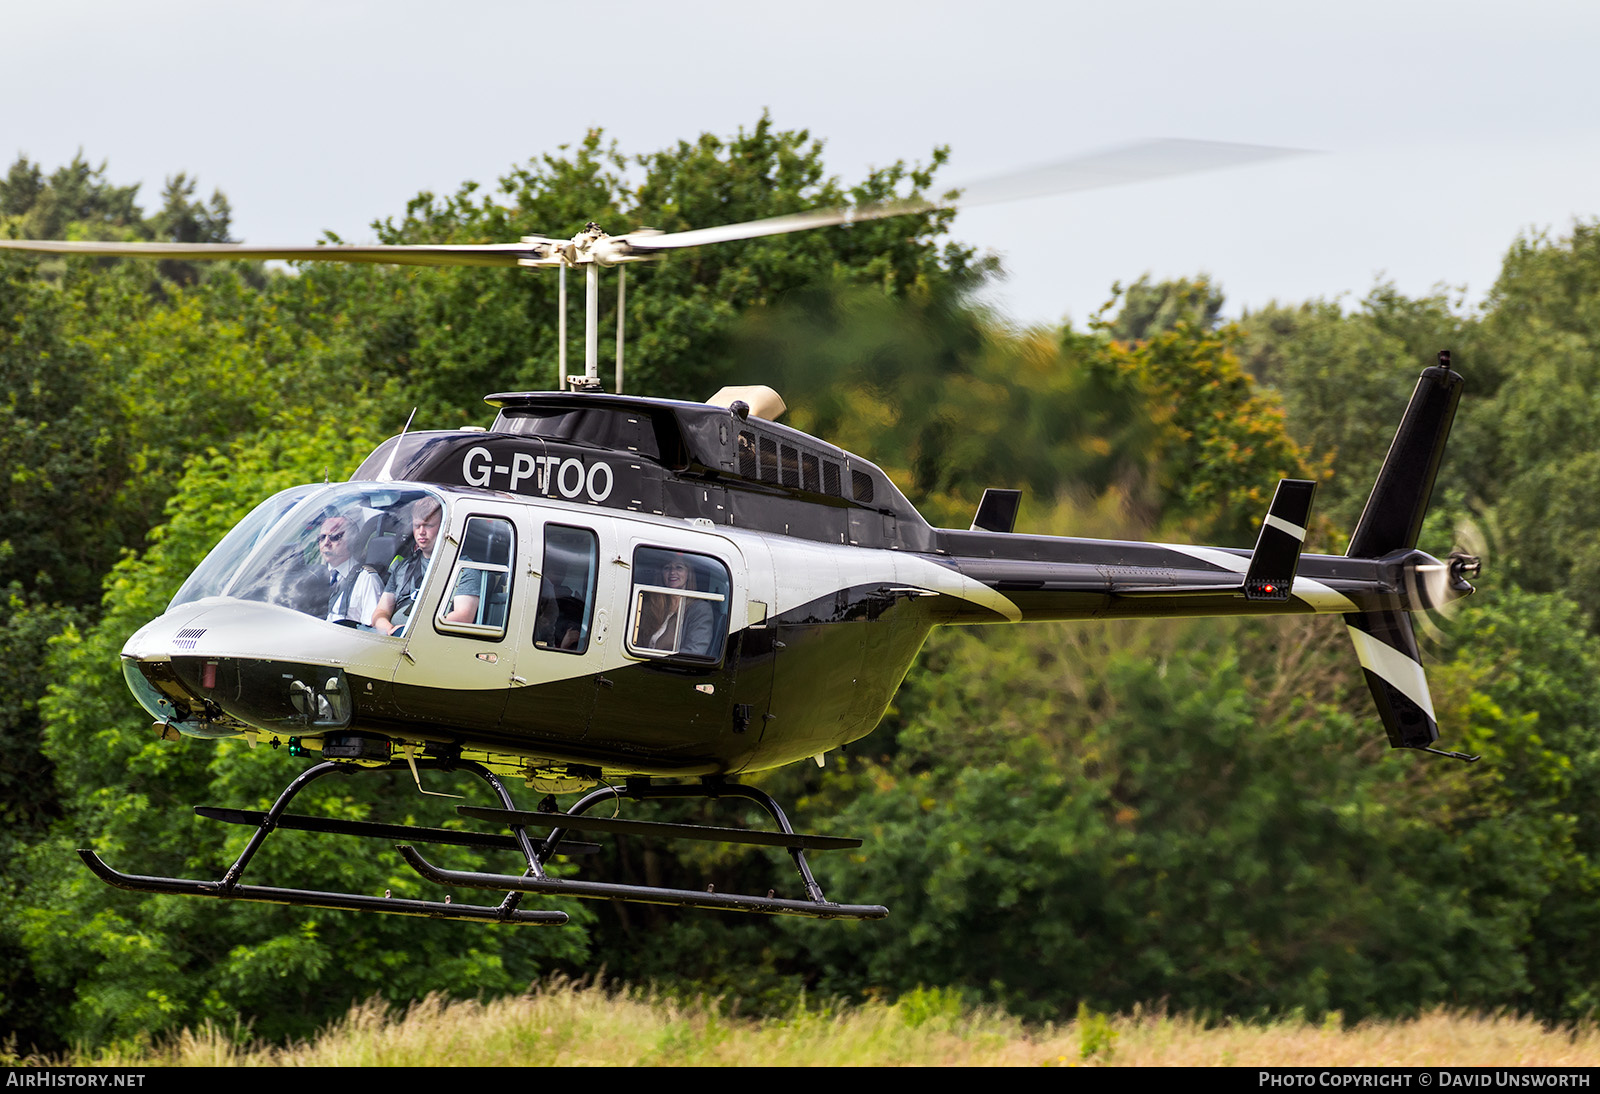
388, 465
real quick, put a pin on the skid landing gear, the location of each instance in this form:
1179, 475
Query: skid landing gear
535, 853
535, 880
229, 887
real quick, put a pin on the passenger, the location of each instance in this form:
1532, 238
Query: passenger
400, 594
558, 624
659, 616
464, 600
353, 590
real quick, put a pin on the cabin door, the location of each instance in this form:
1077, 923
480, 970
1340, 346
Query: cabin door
669, 695
462, 634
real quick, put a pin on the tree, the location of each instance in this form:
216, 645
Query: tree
1149, 309
183, 219
75, 202
1344, 379
1541, 332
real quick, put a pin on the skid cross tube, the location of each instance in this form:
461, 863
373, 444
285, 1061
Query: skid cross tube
229, 887
535, 880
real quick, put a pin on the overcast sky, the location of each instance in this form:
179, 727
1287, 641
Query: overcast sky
1443, 129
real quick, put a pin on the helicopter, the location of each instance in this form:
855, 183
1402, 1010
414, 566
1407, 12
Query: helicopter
641, 599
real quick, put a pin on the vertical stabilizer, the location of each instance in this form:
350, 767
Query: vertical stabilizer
1387, 647
1393, 515
1385, 641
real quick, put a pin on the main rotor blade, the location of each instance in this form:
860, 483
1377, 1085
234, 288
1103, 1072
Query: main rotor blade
1139, 162
418, 254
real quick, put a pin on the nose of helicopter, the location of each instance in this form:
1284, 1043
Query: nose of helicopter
220, 670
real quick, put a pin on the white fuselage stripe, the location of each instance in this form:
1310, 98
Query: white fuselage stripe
1320, 597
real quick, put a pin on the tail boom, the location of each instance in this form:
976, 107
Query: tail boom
1374, 585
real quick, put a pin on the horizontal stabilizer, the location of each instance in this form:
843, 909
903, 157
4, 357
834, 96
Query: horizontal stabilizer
1283, 533
997, 512
1387, 648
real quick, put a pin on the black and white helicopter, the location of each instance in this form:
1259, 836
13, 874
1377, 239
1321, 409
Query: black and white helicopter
600, 592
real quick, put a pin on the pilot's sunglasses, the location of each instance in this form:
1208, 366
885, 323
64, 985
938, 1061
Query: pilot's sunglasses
330, 537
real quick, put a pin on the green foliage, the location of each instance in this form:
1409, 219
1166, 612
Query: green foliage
1540, 334
1344, 378
74, 202
949, 405
28, 801
60, 468
1090, 817
1097, 1040
1149, 309
1221, 446
1184, 831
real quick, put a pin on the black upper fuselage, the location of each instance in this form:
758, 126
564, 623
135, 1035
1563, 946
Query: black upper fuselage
702, 462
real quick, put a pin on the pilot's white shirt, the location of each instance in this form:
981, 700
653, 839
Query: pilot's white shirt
363, 595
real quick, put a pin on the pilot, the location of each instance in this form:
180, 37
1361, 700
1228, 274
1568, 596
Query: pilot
400, 594
353, 590
659, 616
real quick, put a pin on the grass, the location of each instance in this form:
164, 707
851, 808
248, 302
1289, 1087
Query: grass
578, 1025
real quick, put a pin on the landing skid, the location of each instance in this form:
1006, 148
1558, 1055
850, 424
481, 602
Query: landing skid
536, 881
536, 854
229, 887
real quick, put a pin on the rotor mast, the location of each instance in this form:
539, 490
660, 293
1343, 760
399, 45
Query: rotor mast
591, 249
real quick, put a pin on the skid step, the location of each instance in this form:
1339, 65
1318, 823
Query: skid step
299, 822
794, 841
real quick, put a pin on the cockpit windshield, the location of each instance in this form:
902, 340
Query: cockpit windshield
334, 552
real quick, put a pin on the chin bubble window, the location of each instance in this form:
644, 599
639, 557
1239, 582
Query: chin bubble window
480, 586
679, 607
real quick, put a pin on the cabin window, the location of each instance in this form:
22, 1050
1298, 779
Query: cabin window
769, 460
748, 467
791, 465
861, 486
480, 586
566, 589
679, 610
